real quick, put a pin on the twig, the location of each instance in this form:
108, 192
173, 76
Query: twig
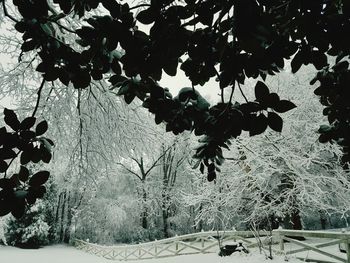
6, 13
38, 99
232, 91
239, 86
138, 6
62, 26
11, 162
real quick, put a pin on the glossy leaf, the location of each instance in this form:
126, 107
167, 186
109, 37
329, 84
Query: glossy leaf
39, 178
11, 119
284, 106
41, 128
23, 174
261, 91
27, 123
275, 121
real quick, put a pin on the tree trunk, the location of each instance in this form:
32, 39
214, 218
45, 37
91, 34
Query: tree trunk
63, 205
296, 224
144, 215
296, 220
66, 237
200, 224
323, 220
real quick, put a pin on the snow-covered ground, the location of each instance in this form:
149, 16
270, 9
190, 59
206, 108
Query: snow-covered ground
65, 254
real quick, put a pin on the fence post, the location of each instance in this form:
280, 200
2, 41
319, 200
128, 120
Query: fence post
155, 250
347, 247
281, 241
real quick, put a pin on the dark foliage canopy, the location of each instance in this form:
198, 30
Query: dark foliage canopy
229, 40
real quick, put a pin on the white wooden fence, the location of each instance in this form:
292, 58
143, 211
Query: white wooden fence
327, 239
207, 242
196, 243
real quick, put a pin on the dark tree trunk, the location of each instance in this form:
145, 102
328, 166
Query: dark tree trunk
66, 237
296, 220
200, 224
323, 220
144, 215
296, 223
63, 205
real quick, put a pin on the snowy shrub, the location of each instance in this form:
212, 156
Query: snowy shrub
31, 230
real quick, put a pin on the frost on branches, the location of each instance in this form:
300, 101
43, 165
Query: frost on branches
276, 178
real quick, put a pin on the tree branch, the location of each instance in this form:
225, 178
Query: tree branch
239, 86
39, 96
130, 171
138, 6
6, 13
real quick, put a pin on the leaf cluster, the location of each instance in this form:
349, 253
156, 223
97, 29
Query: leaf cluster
230, 40
25, 141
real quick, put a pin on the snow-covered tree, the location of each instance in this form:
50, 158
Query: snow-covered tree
31, 230
275, 176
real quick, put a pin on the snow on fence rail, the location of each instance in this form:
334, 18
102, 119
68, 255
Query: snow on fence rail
332, 238
207, 242
196, 243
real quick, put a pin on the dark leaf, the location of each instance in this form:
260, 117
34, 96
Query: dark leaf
115, 66
324, 137
18, 208
123, 89
170, 67
25, 157
81, 80
45, 155
20, 194
297, 62
27, 123
211, 167
272, 100
275, 121
261, 91
20, 26
27, 135
284, 106
51, 74
15, 180
325, 128
42, 67
187, 93
39, 178
35, 155
28, 45
201, 168
3, 166
117, 80
211, 176
41, 128
5, 207
319, 59
23, 174
11, 119
258, 124
146, 16
6, 153
6, 183
129, 97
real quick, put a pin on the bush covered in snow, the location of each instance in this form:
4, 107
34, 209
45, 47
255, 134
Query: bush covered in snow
30, 231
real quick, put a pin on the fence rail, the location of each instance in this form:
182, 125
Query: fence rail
329, 239
207, 242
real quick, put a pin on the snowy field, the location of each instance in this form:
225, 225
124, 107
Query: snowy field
65, 254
